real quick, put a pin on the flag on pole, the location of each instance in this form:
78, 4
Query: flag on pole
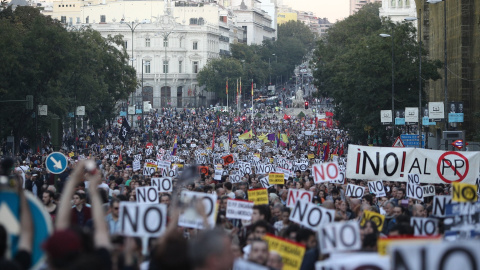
236, 99
326, 152
120, 159
230, 138
218, 122
213, 142
227, 87
174, 150
124, 130
240, 86
252, 89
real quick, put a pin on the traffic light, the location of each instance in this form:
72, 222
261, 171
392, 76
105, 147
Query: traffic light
306, 105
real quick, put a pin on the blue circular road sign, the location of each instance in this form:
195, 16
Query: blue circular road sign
56, 162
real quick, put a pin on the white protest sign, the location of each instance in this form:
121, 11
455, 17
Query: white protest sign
394, 164
235, 178
142, 219
439, 203
190, 218
310, 215
377, 188
339, 237
137, 157
414, 190
433, 256
424, 226
325, 172
354, 191
261, 168
297, 194
286, 173
147, 195
340, 180
149, 170
218, 175
163, 184
264, 181
237, 209
428, 191
356, 261
136, 165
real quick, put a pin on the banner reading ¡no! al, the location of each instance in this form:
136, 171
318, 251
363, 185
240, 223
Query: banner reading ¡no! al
394, 164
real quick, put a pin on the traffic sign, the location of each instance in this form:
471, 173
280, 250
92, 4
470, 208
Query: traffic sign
42, 223
458, 144
56, 162
398, 143
411, 140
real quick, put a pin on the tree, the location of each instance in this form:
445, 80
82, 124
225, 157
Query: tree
352, 65
60, 69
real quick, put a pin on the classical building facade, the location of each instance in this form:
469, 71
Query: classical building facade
397, 10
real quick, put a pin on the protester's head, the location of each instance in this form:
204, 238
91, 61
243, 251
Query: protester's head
260, 212
78, 198
389, 208
260, 229
275, 261
307, 238
367, 199
418, 211
62, 248
277, 211
328, 205
114, 207
397, 211
165, 199
258, 252
211, 249
228, 186
47, 197
239, 194
400, 194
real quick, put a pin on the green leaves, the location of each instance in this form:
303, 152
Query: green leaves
353, 65
60, 69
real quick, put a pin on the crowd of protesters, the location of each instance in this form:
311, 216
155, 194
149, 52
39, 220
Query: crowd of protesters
84, 203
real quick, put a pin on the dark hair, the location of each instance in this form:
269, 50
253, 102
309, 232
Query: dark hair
303, 234
228, 185
206, 244
114, 200
260, 223
264, 210
50, 193
368, 198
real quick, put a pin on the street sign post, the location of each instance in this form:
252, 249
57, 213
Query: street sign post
411, 140
56, 162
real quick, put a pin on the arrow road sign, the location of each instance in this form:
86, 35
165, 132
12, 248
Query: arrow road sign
56, 162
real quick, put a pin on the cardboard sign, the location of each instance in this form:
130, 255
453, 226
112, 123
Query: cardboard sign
377, 188
464, 192
354, 191
163, 184
291, 252
384, 243
190, 218
424, 226
258, 196
445, 255
362, 260
310, 215
261, 168
393, 164
147, 195
235, 178
218, 175
296, 194
439, 203
276, 179
237, 209
414, 190
325, 172
428, 191
339, 237
142, 220
378, 219
149, 170
265, 182
136, 165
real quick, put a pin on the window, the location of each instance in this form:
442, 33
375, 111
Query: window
195, 67
193, 21
103, 19
165, 66
70, 21
147, 66
147, 42
63, 19
87, 19
125, 44
195, 45
201, 21
180, 66
165, 42
78, 20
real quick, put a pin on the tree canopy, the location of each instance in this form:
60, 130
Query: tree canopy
61, 69
353, 65
275, 59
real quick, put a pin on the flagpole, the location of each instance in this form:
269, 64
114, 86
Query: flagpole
252, 105
227, 94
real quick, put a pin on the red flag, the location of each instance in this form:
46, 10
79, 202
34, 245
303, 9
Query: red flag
286, 117
329, 123
120, 159
340, 153
326, 152
329, 114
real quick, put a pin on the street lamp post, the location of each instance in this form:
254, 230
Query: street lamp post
445, 86
419, 74
132, 25
393, 80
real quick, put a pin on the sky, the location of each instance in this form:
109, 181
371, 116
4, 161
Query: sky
332, 9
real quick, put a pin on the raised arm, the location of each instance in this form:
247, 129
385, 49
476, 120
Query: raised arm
101, 237
65, 207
